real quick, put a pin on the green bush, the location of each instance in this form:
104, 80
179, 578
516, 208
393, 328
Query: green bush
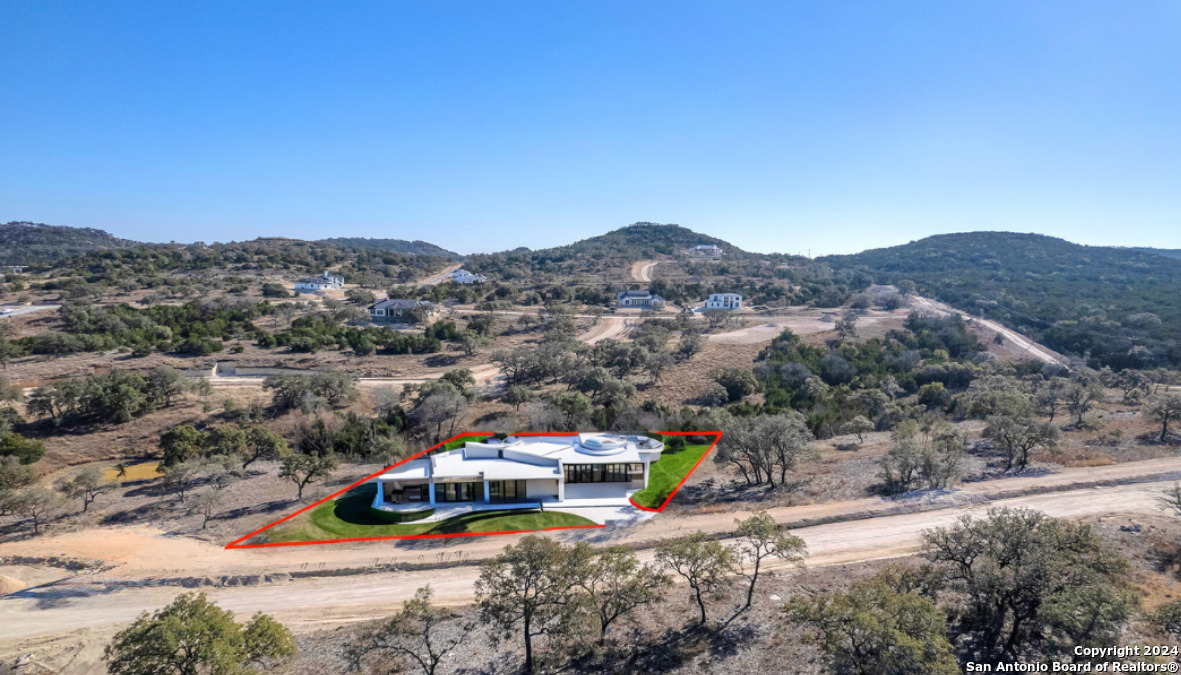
400, 516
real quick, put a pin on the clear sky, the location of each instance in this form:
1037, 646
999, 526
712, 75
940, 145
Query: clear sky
779, 126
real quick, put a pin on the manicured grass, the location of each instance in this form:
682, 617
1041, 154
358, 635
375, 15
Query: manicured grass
666, 474
135, 472
349, 517
458, 443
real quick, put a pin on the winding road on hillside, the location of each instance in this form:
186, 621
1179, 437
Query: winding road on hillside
438, 278
1039, 352
642, 269
849, 531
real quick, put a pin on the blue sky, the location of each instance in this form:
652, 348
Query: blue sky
779, 126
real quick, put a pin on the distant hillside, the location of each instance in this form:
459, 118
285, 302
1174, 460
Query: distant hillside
604, 256
1167, 252
1117, 307
182, 265
23, 243
642, 240
415, 247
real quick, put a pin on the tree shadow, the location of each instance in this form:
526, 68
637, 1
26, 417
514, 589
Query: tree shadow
663, 652
140, 513
50, 596
442, 360
254, 509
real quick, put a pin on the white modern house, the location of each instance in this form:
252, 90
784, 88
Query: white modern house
396, 309
325, 281
522, 472
643, 299
724, 301
706, 251
462, 276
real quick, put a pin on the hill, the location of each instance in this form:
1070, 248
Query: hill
24, 243
415, 247
643, 240
603, 257
591, 270
158, 266
1113, 306
1167, 252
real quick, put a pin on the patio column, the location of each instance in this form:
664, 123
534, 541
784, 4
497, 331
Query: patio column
487, 493
380, 494
431, 492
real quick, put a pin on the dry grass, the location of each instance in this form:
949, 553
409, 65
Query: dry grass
145, 471
685, 382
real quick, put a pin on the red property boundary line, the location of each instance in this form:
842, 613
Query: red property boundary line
237, 543
717, 437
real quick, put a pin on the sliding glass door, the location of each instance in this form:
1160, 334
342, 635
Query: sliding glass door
506, 491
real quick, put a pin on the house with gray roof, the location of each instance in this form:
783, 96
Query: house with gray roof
642, 299
397, 309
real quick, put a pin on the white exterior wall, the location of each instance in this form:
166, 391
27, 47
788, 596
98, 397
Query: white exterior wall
598, 490
724, 301
541, 488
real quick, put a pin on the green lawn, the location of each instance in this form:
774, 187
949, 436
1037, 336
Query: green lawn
667, 473
458, 442
349, 517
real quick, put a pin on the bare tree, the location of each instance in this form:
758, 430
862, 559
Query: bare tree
87, 486
705, 564
1081, 395
305, 469
207, 504
759, 538
1165, 409
37, 504
420, 633
442, 408
615, 581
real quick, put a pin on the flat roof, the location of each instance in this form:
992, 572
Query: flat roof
546, 453
414, 469
491, 468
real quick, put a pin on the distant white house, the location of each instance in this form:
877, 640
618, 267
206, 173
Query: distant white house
462, 276
724, 301
706, 251
325, 281
644, 299
396, 309
536, 470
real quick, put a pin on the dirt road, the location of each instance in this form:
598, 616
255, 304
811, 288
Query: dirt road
144, 552
17, 311
801, 323
607, 328
1039, 352
438, 278
326, 600
642, 269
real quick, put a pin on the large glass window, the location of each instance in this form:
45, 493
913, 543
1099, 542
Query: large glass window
602, 473
506, 491
458, 492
